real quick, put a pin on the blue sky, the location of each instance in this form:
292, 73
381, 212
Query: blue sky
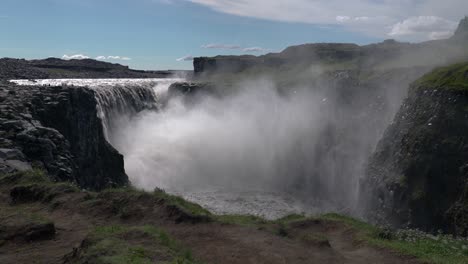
153, 34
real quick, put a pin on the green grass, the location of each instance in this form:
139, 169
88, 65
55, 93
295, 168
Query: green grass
192, 208
110, 247
25, 177
110, 244
441, 249
454, 77
243, 220
168, 199
36, 177
21, 215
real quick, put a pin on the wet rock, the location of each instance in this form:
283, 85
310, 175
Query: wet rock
9, 154
417, 176
59, 129
18, 165
191, 92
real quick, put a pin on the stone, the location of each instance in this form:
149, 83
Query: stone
63, 133
8, 154
18, 165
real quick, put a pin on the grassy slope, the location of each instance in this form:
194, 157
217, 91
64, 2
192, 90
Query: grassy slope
425, 247
111, 244
454, 77
428, 248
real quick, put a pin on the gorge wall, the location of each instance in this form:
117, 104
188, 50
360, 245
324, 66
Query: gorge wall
418, 175
57, 129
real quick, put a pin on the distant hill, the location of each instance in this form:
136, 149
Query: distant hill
53, 68
388, 54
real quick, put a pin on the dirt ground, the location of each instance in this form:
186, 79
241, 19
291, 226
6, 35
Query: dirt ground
74, 216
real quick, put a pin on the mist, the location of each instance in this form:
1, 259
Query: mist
243, 141
256, 146
303, 143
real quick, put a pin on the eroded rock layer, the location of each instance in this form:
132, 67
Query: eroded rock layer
58, 129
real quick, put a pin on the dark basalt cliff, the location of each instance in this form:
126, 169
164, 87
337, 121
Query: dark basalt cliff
58, 129
418, 175
53, 68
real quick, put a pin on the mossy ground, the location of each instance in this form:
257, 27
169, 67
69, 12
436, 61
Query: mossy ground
116, 244
134, 243
428, 248
453, 77
425, 247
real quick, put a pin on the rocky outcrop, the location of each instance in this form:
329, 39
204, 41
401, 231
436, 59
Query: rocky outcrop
462, 30
58, 129
191, 88
53, 68
231, 64
418, 175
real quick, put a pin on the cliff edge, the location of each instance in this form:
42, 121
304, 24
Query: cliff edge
418, 175
57, 129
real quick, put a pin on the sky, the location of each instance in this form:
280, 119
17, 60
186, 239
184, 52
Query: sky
167, 34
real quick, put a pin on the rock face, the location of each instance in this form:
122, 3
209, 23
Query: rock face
58, 129
462, 30
191, 88
53, 68
418, 175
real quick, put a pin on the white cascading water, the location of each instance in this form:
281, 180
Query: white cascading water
118, 99
254, 152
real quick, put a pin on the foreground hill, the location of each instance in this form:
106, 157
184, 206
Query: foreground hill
45, 222
53, 68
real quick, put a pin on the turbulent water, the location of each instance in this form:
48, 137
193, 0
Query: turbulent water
256, 150
239, 155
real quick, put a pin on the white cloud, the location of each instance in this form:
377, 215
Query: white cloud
440, 35
185, 58
233, 47
342, 18
431, 27
117, 58
371, 17
75, 57
221, 46
112, 58
362, 18
255, 49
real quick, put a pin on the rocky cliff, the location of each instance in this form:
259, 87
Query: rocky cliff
58, 129
418, 175
53, 68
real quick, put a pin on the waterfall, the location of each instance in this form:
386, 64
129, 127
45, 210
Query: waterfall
256, 151
118, 99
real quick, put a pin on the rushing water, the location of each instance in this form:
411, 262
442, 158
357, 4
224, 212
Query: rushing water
226, 161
